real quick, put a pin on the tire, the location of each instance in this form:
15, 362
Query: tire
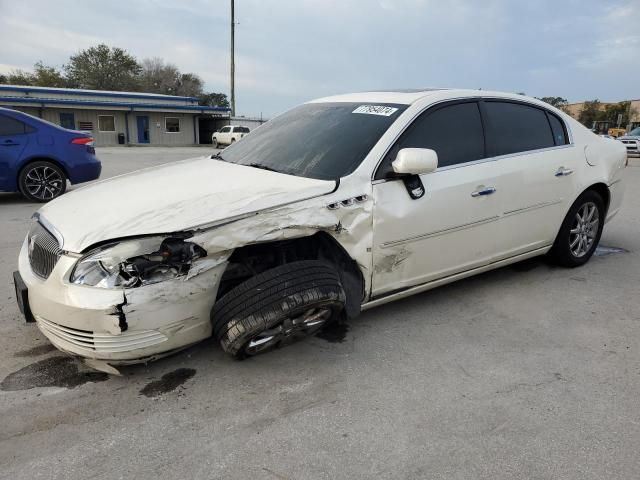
277, 307
566, 250
42, 181
214, 142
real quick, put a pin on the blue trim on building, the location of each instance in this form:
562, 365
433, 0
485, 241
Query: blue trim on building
106, 105
71, 91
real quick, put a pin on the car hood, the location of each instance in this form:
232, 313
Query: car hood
171, 198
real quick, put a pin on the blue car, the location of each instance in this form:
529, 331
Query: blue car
37, 157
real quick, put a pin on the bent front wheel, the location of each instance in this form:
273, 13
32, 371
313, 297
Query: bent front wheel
277, 307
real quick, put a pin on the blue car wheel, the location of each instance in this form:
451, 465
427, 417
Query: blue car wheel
42, 181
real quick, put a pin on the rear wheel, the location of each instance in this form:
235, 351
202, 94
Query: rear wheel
42, 181
277, 307
581, 231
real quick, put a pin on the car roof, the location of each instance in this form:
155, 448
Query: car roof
410, 96
36, 121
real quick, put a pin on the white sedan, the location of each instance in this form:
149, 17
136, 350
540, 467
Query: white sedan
337, 206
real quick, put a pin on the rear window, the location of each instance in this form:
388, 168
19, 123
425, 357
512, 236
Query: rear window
513, 128
557, 127
11, 126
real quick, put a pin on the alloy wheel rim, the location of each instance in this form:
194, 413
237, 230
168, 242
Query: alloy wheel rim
43, 183
289, 329
584, 230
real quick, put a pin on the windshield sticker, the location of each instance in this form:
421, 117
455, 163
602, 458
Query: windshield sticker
376, 110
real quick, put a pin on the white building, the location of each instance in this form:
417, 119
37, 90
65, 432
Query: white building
120, 118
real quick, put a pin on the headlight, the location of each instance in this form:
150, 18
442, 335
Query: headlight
133, 263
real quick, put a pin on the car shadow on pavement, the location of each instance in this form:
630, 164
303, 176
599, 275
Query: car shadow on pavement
171, 373
14, 198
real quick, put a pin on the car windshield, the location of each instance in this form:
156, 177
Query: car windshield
635, 132
316, 140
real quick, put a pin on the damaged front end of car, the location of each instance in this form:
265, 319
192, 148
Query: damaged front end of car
137, 299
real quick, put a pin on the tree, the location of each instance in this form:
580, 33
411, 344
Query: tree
47, 76
103, 68
156, 76
557, 102
19, 77
42, 76
591, 112
189, 85
612, 111
213, 99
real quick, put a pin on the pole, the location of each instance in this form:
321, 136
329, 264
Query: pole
233, 62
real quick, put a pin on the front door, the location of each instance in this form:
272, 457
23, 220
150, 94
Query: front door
143, 128
454, 225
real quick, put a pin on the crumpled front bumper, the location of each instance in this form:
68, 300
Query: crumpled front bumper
121, 326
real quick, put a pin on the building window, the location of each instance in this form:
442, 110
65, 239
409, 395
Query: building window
85, 126
67, 120
106, 123
172, 124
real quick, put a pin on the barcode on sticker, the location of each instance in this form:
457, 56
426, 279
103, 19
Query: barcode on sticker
376, 110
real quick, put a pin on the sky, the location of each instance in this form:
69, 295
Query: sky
291, 51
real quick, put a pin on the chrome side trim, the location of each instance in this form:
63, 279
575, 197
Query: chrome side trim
531, 207
437, 233
452, 278
502, 157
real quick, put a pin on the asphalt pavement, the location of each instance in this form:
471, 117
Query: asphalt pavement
530, 371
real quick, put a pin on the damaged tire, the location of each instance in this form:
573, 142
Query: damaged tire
277, 307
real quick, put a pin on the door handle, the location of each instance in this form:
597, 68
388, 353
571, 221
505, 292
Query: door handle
485, 191
563, 172
8, 143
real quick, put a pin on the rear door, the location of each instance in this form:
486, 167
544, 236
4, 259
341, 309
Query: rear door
537, 165
453, 226
14, 136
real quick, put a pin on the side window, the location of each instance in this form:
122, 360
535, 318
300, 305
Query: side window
557, 127
455, 132
10, 126
513, 127
225, 130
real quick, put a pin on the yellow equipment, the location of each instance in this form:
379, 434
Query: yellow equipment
616, 132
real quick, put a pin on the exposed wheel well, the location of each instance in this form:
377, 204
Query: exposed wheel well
251, 260
603, 191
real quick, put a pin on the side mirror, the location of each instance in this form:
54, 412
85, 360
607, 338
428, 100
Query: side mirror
415, 161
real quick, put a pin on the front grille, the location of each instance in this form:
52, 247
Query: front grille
44, 251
